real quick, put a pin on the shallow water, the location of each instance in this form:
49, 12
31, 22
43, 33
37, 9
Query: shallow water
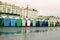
47, 35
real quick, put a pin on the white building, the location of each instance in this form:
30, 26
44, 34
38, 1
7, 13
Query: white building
30, 13
9, 9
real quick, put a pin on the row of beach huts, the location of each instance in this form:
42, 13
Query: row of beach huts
25, 22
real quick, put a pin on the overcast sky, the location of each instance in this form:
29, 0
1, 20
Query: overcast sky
44, 7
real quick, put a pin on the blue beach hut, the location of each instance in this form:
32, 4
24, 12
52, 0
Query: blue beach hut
13, 22
6, 22
34, 23
41, 23
46, 23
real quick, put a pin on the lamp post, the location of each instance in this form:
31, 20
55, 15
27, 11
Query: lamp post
27, 12
26, 19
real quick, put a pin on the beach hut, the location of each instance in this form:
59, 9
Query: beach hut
41, 23
37, 23
7, 22
49, 23
46, 23
33, 23
13, 22
28, 22
1, 21
19, 22
24, 22
55, 23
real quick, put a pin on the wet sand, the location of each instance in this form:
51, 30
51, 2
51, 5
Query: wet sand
49, 35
